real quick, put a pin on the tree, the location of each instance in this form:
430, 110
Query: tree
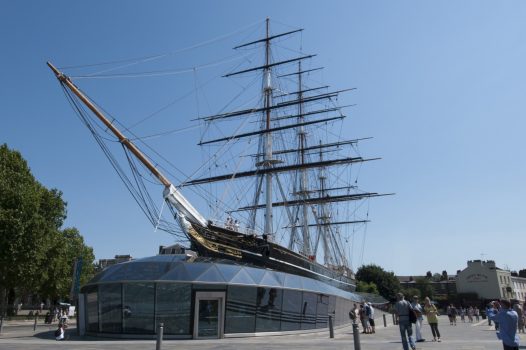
30, 221
429, 275
425, 288
365, 287
436, 277
58, 272
444, 276
410, 292
387, 283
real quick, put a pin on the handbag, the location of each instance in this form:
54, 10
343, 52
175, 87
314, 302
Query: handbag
412, 314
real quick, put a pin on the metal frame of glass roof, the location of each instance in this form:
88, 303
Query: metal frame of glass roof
176, 268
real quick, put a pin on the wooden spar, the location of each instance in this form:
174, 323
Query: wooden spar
259, 132
318, 200
339, 161
302, 91
127, 143
299, 72
268, 38
280, 105
268, 65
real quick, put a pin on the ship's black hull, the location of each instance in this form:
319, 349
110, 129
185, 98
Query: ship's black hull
218, 242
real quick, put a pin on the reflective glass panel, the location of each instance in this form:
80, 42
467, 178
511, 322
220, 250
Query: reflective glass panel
110, 308
137, 311
308, 311
211, 275
92, 310
268, 302
322, 311
291, 310
208, 320
173, 307
240, 310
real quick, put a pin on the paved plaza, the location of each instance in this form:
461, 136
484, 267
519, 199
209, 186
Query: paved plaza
465, 336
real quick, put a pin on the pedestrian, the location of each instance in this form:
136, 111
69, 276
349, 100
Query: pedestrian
364, 320
431, 314
402, 309
454, 313
59, 333
462, 314
476, 311
495, 308
371, 317
419, 319
489, 310
520, 317
470, 312
353, 314
507, 319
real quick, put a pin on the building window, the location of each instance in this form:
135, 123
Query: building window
240, 310
322, 311
138, 308
110, 308
309, 310
291, 310
268, 317
173, 307
92, 309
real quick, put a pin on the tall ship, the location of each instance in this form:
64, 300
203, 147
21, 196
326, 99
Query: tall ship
279, 177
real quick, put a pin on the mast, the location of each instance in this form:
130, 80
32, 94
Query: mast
306, 249
268, 137
171, 194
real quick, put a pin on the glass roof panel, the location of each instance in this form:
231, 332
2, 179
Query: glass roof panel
116, 272
178, 273
243, 277
197, 269
211, 275
228, 271
101, 275
256, 274
310, 284
280, 277
293, 281
270, 280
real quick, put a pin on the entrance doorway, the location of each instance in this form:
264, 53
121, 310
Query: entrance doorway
209, 315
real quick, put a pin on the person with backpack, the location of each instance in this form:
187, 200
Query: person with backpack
353, 314
402, 309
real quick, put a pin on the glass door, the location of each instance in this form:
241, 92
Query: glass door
209, 315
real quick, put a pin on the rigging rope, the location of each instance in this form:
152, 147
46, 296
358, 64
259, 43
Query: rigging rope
154, 57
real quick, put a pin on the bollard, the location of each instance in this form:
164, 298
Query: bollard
331, 328
385, 321
35, 324
159, 343
356, 336
1, 324
394, 319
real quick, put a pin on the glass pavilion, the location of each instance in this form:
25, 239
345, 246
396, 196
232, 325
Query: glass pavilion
206, 298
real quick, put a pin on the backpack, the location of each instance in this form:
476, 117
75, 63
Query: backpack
57, 332
412, 314
367, 310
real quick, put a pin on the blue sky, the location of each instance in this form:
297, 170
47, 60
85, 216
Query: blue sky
440, 88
